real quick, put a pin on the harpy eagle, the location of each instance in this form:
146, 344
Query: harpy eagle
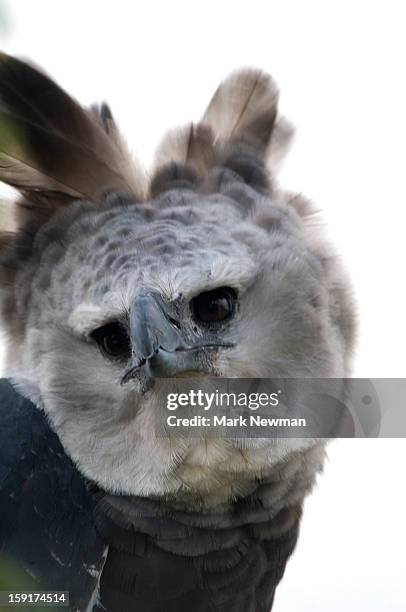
112, 280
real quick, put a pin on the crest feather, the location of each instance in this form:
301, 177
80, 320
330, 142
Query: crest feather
239, 131
52, 146
244, 107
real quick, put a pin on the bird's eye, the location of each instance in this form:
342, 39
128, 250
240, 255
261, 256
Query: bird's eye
113, 340
214, 306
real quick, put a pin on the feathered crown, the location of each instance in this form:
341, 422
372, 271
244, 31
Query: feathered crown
55, 151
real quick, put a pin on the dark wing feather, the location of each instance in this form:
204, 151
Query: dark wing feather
47, 535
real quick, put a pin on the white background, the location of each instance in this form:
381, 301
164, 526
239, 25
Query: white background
341, 70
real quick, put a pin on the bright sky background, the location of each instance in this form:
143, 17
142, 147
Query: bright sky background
340, 68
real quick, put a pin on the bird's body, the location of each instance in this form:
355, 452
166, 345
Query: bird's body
131, 553
112, 289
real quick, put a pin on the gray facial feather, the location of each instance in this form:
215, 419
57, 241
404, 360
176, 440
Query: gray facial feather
214, 221
288, 324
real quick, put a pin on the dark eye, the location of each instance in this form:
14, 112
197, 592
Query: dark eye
113, 340
214, 306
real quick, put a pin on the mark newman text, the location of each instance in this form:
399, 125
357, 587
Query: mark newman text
253, 420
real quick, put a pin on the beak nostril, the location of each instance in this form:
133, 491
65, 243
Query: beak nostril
174, 322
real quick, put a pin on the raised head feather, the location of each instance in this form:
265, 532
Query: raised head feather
50, 144
191, 145
244, 107
239, 131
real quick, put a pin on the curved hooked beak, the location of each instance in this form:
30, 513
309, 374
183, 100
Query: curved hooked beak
159, 348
